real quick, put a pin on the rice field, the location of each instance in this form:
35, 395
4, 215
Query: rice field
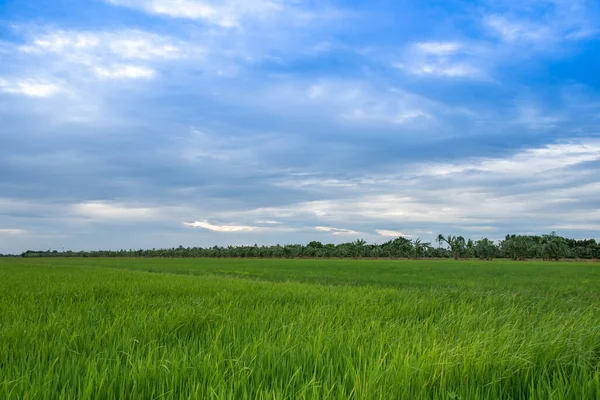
298, 329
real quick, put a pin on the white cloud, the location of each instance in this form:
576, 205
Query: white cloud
442, 59
220, 228
391, 233
206, 146
533, 118
336, 231
103, 210
478, 195
530, 162
594, 227
512, 30
125, 72
380, 112
12, 232
328, 182
126, 54
30, 88
447, 70
565, 20
235, 34
480, 228
126, 44
174, 8
226, 14
439, 48
316, 91
269, 222
358, 101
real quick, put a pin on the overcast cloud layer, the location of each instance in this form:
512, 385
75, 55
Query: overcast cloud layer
158, 123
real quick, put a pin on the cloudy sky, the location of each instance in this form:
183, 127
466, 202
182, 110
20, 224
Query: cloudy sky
155, 123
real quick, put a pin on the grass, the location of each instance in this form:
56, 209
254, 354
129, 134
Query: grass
315, 329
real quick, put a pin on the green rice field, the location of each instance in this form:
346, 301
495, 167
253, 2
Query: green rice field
298, 329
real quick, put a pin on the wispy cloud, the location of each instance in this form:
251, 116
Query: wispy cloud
177, 8
447, 70
530, 162
451, 59
469, 196
5, 231
30, 87
513, 30
560, 21
225, 14
82, 45
220, 228
103, 210
391, 233
336, 231
439, 48
127, 54
125, 72
358, 101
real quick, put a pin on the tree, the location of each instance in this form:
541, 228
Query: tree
520, 247
553, 247
517, 247
485, 249
358, 247
399, 247
419, 248
440, 239
457, 245
470, 249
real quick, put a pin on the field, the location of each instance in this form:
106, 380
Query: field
315, 329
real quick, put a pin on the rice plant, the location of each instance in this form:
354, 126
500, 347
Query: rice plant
298, 329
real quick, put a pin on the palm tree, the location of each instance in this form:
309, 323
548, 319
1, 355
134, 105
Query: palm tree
358, 247
419, 247
457, 244
440, 238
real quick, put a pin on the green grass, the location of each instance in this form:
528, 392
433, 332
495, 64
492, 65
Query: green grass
317, 329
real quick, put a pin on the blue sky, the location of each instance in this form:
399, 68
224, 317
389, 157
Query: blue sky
158, 123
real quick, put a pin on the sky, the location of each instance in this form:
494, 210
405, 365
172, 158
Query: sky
159, 123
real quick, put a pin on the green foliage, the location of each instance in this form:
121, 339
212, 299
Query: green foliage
458, 245
520, 247
299, 329
485, 249
548, 247
420, 248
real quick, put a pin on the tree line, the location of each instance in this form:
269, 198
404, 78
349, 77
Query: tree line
515, 247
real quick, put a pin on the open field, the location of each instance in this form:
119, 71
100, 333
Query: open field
236, 329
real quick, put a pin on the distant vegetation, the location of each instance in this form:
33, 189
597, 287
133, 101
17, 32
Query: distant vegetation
515, 247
